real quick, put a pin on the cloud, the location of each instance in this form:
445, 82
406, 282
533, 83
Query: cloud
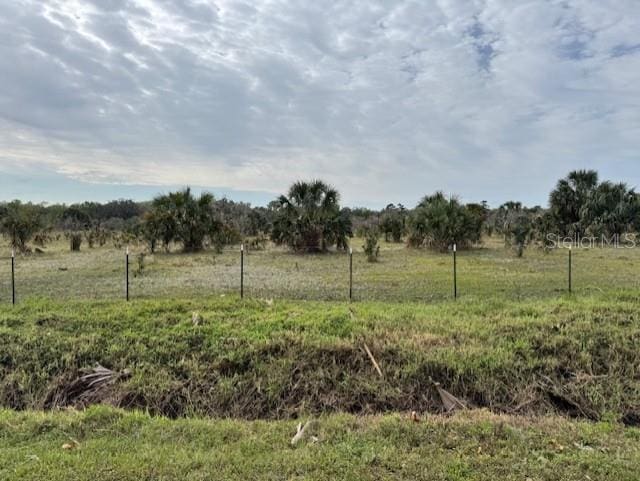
491, 99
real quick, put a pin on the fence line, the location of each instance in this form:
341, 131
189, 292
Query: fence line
349, 295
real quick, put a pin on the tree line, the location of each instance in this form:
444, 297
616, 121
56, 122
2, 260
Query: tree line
310, 218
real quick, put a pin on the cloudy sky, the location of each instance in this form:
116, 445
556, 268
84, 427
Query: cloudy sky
387, 100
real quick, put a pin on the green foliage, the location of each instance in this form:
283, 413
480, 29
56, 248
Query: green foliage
371, 247
158, 225
479, 215
225, 235
20, 223
581, 206
309, 218
516, 225
393, 222
569, 197
181, 217
438, 222
611, 209
75, 218
543, 230
520, 232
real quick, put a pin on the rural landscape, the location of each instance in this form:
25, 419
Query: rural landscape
350, 342
294, 240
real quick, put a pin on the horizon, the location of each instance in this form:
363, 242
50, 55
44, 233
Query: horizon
146, 193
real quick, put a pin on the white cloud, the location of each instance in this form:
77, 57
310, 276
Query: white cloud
492, 99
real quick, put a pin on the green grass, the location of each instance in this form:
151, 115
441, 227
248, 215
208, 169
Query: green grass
281, 359
516, 345
114, 445
401, 275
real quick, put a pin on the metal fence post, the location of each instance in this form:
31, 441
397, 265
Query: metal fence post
350, 274
570, 269
13, 276
241, 271
126, 263
455, 273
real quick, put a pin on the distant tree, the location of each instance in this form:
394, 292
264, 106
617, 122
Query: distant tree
517, 226
438, 222
182, 217
580, 206
480, 214
392, 222
309, 218
259, 221
544, 230
503, 216
567, 200
117, 209
76, 218
20, 223
611, 209
371, 247
79, 221
152, 230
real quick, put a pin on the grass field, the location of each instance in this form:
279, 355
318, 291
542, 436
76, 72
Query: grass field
114, 445
551, 379
401, 274
282, 359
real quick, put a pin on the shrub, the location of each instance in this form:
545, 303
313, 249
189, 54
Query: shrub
180, 216
371, 247
392, 222
309, 218
438, 222
20, 222
75, 241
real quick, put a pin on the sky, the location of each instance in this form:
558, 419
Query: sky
386, 100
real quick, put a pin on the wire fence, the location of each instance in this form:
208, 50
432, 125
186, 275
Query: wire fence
400, 274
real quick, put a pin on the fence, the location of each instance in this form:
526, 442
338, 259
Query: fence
400, 275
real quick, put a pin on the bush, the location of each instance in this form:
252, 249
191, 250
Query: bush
75, 241
438, 222
371, 247
392, 222
20, 222
140, 265
309, 218
181, 217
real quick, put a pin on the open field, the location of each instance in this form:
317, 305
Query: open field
552, 379
468, 446
401, 274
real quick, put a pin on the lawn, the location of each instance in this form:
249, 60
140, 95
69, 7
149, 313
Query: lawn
103, 444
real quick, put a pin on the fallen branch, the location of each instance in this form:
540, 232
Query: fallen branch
373, 360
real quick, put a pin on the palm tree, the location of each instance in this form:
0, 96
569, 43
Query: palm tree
611, 209
309, 218
439, 222
180, 216
568, 199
